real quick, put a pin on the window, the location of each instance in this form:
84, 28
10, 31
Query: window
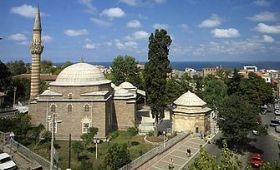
86, 124
69, 107
85, 127
70, 95
86, 108
52, 108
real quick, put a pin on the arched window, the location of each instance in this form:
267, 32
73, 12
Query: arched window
69, 107
70, 96
53, 108
86, 108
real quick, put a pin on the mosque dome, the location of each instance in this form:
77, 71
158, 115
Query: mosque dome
189, 99
80, 74
127, 85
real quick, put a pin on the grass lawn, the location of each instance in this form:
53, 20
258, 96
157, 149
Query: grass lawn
134, 150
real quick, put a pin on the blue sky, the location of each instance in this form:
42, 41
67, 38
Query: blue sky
99, 30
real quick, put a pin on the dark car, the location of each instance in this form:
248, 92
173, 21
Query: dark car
274, 122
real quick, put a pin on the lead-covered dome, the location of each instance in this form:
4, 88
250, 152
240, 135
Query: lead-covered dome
80, 74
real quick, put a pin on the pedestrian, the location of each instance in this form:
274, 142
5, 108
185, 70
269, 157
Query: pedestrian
171, 164
189, 152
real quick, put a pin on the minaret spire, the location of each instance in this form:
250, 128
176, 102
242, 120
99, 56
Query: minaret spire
36, 49
37, 21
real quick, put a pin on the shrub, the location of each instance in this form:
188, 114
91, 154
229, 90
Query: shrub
151, 133
114, 134
132, 131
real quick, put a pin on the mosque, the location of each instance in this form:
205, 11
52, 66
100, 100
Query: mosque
81, 97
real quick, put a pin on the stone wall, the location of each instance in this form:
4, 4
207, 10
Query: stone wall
124, 113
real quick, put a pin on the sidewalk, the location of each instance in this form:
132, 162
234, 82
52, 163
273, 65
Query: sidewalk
179, 154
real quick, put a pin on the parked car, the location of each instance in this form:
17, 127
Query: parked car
277, 112
274, 122
6, 163
255, 160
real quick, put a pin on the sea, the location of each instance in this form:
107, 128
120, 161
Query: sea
200, 65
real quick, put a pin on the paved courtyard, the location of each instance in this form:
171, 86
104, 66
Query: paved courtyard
179, 154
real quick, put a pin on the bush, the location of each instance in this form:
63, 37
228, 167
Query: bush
132, 131
151, 133
114, 134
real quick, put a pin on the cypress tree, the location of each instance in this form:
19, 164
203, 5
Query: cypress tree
156, 72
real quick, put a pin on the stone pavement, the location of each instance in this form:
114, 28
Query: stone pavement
179, 154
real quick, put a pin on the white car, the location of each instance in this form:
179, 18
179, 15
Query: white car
6, 163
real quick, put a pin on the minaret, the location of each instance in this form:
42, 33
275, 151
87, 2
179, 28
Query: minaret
36, 48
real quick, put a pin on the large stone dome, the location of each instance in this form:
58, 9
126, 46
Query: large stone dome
80, 74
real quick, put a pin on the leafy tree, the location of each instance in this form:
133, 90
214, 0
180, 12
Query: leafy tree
34, 133
229, 160
198, 85
117, 156
47, 67
204, 161
155, 72
214, 91
88, 137
175, 88
132, 131
124, 68
86, 165
78, 148
22, 89
17, 67
256, 90
271, 166
237, 117
5, 75
234, 83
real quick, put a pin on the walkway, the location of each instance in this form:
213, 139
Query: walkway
179, 154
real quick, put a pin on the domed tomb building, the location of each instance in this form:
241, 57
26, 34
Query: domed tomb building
190, 114
80, 98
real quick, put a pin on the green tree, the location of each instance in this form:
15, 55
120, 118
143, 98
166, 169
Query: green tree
86, 165
47, 67
256, 90
234, 83
175, 88
229, 160
237, 117
214, 91
88, 137
17, 67
117, 156
124, 68
78, 148
204, 161
198, 85
5, 75
155, 72
22, 90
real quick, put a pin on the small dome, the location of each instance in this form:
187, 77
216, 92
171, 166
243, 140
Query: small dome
80, 74
127, 85
189, 99
120, 92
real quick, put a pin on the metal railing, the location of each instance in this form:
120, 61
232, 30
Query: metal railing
154, 152
28, 153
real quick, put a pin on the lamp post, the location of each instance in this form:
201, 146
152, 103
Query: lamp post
96, 141
15, 90
163, 138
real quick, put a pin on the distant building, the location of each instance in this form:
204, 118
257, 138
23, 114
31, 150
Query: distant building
210, 71
43, 77
141, 66
191, 72
190, 114
250, 68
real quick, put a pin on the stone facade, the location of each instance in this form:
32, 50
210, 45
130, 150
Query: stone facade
190, 114
78, 107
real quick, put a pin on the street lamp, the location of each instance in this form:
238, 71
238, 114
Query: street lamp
96, 141
163, 138
54, 122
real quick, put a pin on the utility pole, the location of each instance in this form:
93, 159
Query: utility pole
69, 158
52, 141
15, 90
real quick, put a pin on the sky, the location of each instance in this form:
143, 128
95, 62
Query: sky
100, 30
